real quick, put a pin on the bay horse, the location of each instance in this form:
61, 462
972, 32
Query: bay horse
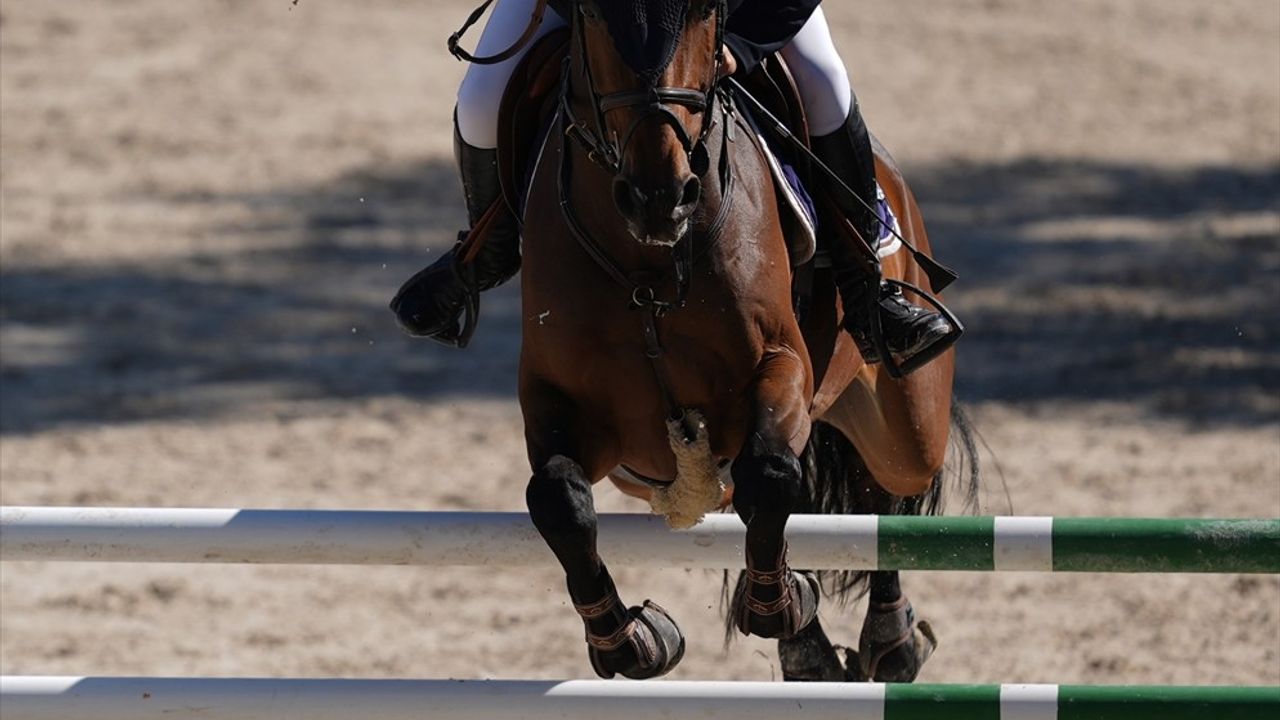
662, 349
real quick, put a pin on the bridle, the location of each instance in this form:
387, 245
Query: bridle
717, 107
716, 104
653, 102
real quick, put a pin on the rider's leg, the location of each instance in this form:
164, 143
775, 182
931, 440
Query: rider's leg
431, 302
841, 140
481, 90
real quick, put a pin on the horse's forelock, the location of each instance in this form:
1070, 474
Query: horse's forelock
645, 32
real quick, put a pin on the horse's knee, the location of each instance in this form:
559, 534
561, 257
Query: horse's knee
476, 110
912, 472
560, 502
906, 479
903, 469
766, 479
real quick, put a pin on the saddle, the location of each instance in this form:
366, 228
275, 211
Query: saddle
529, 104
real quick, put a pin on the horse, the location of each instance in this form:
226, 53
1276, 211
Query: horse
662, 349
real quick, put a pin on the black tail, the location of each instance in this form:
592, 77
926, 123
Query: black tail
837, 482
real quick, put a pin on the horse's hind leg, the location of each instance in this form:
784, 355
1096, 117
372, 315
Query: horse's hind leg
809, 656
772, 600
893, 644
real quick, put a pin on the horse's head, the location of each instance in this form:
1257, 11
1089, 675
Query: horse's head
649, 68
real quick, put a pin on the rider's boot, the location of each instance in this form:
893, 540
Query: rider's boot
909, 331
432, 302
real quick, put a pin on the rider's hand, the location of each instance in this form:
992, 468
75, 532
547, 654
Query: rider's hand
729, 65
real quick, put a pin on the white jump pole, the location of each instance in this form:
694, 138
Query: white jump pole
74, 698
107, 698
401, 538
488, 539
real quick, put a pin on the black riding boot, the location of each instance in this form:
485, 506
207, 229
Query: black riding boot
908, 330
432, 302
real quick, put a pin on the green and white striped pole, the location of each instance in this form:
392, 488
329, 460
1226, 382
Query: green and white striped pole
105, 698
1110, 545
1079, 702
504, 539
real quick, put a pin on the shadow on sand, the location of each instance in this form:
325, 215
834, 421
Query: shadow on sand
1080, 282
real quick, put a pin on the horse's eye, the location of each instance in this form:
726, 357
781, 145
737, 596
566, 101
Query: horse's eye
589, 10
709, 7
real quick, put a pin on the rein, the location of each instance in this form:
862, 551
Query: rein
535, 21
940, 276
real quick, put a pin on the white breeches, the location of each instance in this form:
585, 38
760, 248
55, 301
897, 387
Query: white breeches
480, 94
819, 73
820, 76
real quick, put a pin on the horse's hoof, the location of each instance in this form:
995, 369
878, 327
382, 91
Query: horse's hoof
651, 645
791, 612
809, 656
893, 645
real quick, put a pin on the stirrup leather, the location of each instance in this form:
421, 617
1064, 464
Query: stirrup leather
470, 304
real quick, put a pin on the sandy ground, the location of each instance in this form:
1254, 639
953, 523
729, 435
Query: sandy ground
207, 204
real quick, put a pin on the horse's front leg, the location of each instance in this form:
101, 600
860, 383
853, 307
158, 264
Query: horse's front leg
638, 642
772, 600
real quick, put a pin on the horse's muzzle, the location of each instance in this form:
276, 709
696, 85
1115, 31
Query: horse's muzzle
657, 216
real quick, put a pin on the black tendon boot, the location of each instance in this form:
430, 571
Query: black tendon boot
909, 331
432, 302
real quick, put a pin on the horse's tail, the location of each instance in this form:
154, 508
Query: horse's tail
837, 482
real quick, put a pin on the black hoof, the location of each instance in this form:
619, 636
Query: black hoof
809, 656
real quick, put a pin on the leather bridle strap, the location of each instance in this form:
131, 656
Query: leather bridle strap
642, 294
535, 21
655, 101
651, 101
693, 99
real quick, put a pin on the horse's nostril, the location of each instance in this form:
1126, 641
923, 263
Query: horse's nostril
692, 192
624, 196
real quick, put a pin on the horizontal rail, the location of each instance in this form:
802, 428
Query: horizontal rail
126, 698
846, 542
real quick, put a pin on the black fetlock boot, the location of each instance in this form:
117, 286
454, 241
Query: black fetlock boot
909, 331
433, 302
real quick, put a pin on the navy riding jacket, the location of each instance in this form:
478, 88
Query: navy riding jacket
759, 28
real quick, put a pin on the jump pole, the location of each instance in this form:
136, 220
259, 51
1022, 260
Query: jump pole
131, 698
845, 542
